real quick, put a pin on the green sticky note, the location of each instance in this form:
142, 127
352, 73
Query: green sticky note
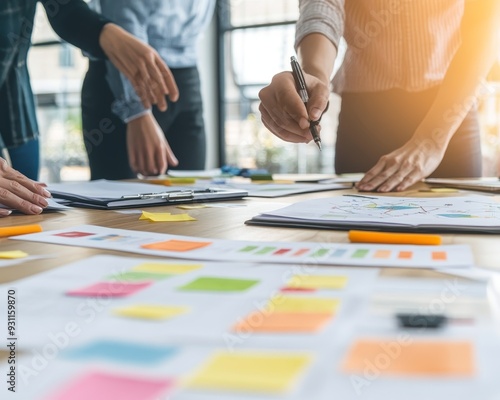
216, 284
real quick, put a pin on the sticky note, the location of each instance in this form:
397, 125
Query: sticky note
165, 217
317, 282
215, 284
121, 352
13, 254
283, 322
418, 358
147, 311
302, 304
138, 276
176, 245
164, 268
251, 372
109, 289
107, 386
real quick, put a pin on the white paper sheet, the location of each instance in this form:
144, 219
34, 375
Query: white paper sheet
188, 247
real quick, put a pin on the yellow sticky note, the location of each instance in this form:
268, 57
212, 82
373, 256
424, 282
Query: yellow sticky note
12, 255
251, 372
302, 304
165, 217
317, 282
164, 268
146, 311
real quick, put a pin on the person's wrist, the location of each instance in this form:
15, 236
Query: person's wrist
108, 31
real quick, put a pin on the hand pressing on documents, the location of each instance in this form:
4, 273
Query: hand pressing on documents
148, 150
19, 192
405, 166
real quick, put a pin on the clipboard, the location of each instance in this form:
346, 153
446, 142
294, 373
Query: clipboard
109, 195
484, 184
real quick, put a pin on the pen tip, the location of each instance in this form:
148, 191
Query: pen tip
319, 145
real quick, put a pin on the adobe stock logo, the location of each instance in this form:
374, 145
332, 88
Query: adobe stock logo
380, 20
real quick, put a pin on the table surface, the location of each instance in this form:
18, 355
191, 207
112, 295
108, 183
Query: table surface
220, 223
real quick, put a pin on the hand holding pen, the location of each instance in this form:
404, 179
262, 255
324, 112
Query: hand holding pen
284, 112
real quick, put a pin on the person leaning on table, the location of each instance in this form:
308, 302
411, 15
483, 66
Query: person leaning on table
77, 24
408, 85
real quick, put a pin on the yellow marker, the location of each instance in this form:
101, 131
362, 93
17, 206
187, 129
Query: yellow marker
393, 238
172, 181
19, 230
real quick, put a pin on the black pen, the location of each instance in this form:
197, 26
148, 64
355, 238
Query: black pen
300, 83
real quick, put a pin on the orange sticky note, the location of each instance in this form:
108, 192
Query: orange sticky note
418, 358
176, 245
283, 322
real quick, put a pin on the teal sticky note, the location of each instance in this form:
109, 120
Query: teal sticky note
216, 284
121, 352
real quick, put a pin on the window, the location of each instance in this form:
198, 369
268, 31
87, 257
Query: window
57, 70
257, 39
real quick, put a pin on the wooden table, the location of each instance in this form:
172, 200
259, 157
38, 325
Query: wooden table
221, 223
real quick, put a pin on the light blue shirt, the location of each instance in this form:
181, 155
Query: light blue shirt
171, 27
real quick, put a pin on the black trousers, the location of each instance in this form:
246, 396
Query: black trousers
104, 133
374, 124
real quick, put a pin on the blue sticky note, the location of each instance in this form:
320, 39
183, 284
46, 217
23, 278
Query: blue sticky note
121, 352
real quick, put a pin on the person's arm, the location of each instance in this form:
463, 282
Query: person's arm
319, 29
148, 150
422, 154
20, 193
139, 62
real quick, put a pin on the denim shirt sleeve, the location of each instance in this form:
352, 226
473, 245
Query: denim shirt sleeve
127, 105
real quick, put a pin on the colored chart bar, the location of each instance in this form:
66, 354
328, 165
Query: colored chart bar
439, 255
248, 249
281, 252
320, 253
300, 252
338, 253
382, 254
265, 250
361, 253
405, 255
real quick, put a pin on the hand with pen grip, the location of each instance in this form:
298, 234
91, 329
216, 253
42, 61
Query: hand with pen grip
283, 111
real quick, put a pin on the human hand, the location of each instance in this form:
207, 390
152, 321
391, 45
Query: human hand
141, 64
403, 167
19, 192
284, 113
148, 151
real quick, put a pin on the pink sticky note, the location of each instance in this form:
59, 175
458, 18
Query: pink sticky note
109, 289
106, 386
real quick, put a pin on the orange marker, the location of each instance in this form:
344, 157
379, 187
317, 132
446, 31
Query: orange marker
19, 230
393, 238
